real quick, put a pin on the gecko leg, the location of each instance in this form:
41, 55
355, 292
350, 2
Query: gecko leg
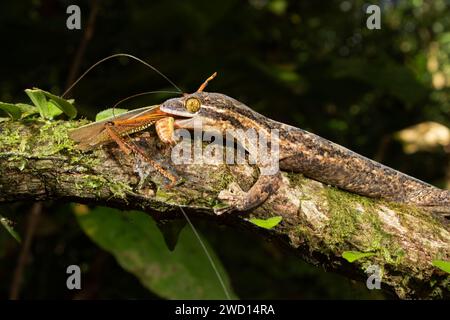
239, 200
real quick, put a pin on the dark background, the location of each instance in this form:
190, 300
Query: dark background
312, 64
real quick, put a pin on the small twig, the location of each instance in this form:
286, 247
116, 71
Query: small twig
33, 219
87, 35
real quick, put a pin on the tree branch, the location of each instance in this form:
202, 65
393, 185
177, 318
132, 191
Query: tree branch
38, 162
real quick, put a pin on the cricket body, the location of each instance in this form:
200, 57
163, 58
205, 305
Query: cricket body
117, 128
303, 152
95, 134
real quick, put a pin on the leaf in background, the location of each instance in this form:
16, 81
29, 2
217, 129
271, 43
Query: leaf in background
39, 98
7, 224
384, 74
443, 265
266, 223
171, 229
27, 109
53, 110
40, 101
108, 113
11, 109
352, 256
137, 244
65, 105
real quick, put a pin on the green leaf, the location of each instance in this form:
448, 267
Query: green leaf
7, 224
352, 256
40, 101
443, 265
135, 241
39, 98
11, 109
267, 223
171, 229
53, 110
108, 113
65, 105
27, 109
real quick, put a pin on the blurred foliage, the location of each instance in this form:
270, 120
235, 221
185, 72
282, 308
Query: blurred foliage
311, 64
135, 241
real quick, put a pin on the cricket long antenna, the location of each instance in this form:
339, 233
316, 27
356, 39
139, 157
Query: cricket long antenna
210, 259
121, 55
142, 94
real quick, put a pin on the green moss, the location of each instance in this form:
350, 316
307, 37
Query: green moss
163, 195
11, 139
347, 224
119, 189
93, 182
295, 179
96, 184
344, 216
53, 138
37, 137
225, 178
403, 208
307, 235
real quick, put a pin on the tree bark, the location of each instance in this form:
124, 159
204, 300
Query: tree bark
320, 223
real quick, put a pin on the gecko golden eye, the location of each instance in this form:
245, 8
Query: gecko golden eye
192, 105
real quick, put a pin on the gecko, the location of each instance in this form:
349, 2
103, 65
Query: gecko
299, 151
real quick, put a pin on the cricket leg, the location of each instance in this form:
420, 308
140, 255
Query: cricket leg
128, 148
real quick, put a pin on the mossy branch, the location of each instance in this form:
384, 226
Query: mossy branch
38, 162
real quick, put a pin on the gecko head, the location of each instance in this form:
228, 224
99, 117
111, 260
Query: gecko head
199, 110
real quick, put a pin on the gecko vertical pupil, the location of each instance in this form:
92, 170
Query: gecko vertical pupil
192, 105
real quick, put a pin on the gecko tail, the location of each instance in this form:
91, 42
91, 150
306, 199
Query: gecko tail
440, 210
431, 199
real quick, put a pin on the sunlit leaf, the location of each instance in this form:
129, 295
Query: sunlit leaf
266, 223
53, 110
352, 256
443, 265
47, 110
27, 109
11, 109
65, 105
40, 101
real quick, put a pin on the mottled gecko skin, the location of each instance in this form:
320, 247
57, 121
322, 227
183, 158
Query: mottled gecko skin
307, 153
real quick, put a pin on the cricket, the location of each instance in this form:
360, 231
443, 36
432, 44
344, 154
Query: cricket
118, 128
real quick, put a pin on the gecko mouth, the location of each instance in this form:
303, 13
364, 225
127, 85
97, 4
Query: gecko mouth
183, 120
187, 123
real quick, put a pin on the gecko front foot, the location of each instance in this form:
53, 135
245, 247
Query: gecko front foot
239, 200
234, 197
